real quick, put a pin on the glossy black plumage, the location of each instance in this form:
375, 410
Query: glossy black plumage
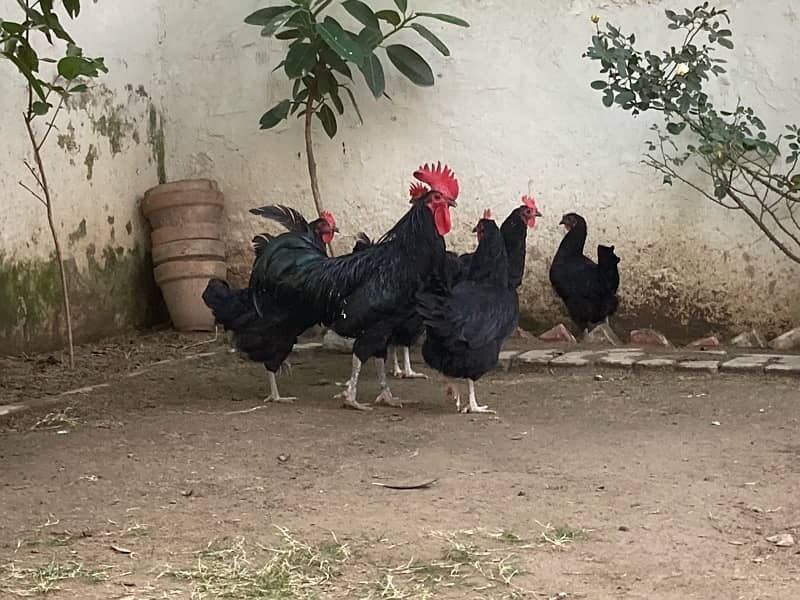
588, 289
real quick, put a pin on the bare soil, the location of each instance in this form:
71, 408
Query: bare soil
168, 485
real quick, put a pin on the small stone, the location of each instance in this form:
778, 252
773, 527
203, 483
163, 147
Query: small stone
716, 423
749, 339
782, 540
283, 458
599, 377
602, 335
334, 342
649, 337
787, 341
521, 493
711, 341
559, 333
624, 528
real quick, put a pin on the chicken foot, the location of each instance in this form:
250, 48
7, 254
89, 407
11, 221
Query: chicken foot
472, 406
274, 395
385, 396
408, 372
349, 394
396, 371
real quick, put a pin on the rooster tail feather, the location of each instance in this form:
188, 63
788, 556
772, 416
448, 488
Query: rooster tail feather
286, 216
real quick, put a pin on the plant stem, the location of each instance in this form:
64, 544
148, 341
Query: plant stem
48, 202
312, 164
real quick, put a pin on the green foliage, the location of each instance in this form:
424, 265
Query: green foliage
321, 52
750, 170
40, 18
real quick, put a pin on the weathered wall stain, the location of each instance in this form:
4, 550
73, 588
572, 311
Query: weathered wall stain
115, 291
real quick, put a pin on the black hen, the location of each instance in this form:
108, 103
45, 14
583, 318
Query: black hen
365, 295
466, 324
267, 337
589, 290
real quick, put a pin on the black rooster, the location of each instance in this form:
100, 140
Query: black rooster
588, 289
267, 337
466, 324
365, 295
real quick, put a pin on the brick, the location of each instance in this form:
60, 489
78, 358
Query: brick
787, 341
749, 339
538, 357
10, 408
621, 358
559, 333
786, 365
573, 359
656, 363
748, 363
602, 335
709, 366
711, 341
649, 337
336, 343
304, 346
505, 358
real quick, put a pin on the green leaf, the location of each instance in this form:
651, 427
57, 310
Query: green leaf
725, 43
354, 103
73, 7
446, 18
12, 28
79, 89
71, 67
335, 61
289, 34
41, 108
599, 85
271, 18
667, 180
608, 97
410, 64
337, 101
328, 120
431, 37
676, 128
624, 97
369, 39
275, 115
389, 16
321, 6
28, 57
300, 60
402, 5
361, 13
372, 70
326, 82
337, 39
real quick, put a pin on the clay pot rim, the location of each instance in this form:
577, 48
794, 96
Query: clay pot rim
201, 230
188, 269
199, 184
189, 250
186, 198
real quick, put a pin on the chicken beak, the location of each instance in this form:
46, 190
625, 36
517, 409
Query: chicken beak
335, 229
452, 203
539, 213
475, 229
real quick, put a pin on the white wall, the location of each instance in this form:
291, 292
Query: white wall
511, 112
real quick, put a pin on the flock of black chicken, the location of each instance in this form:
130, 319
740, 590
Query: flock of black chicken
388, 292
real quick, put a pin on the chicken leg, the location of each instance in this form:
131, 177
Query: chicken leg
350, 392
274, 395
408, 372
385, 396
396, 371
473, 406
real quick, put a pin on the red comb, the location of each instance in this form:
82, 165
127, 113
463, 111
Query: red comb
417, 191
487, 213
328, 217
439, 178
529, 202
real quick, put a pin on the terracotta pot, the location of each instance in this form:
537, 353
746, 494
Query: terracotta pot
187, 251
183, 202
198, 249
182, 283
189, 231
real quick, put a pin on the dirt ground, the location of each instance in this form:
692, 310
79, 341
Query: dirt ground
168, 485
